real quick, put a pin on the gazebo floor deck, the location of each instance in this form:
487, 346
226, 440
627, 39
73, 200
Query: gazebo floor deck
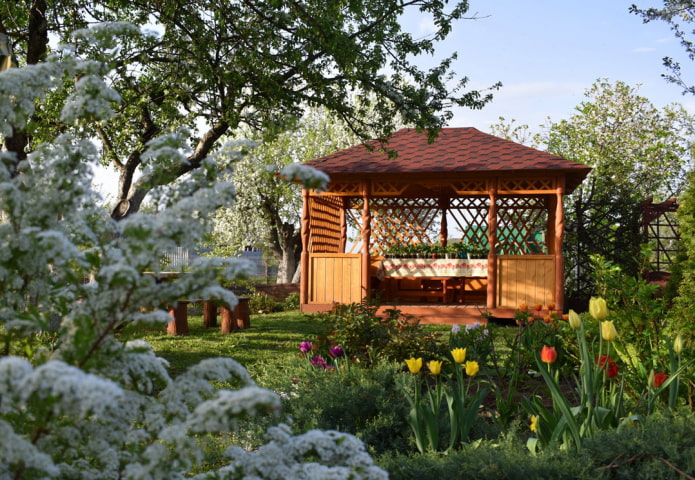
451, 314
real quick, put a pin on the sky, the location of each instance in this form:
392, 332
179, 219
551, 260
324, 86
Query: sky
547, 53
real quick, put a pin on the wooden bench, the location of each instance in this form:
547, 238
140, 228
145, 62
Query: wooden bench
439, 288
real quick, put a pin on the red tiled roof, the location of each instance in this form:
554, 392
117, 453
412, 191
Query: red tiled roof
454, 150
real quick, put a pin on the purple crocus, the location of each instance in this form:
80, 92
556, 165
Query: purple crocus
455, 329
305, 347
336, 351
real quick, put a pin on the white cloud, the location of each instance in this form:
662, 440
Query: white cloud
644, 49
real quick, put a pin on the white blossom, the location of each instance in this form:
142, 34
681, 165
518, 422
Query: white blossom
87, 404
76, 392
308, 176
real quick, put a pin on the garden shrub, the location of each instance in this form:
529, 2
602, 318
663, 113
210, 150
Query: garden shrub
366, 402
660, 447
367, 337
262, 303
291, 302
681, 315
506, 458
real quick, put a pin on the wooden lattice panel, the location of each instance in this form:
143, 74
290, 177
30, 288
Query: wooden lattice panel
388, 188
660, 226
470, 187
526, 185
324, 224
470, 214
521, 226
343, 189
395, 221
402, 221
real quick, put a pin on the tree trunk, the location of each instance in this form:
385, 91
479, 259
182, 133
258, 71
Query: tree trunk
297, 273
286, 250
37, 47
131, 193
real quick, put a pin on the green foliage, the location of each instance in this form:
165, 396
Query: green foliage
636, 152
366, 402
681, 315
260, 302
646, 338
659, 447
367, 337
334, 55
487, 460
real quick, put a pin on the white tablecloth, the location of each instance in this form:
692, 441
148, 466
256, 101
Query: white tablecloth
430, 267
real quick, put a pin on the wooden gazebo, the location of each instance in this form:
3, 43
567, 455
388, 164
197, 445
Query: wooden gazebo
498, 195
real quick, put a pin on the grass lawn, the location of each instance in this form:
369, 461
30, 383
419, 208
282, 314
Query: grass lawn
272, 338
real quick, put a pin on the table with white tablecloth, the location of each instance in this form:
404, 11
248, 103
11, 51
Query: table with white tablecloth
438, 278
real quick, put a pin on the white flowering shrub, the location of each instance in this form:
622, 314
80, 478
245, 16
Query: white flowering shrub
79, 400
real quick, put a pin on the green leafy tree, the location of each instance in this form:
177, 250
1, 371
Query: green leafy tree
636, 151
267, 211
684, 302
217, 66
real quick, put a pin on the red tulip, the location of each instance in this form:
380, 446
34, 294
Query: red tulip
548, 354
659, 379
612, 367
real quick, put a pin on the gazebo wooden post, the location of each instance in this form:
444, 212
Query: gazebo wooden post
366, 236
492, 241
304, 257
557, 244
444, 228
343, 227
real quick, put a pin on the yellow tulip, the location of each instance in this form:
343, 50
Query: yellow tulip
575, 320
472, 368
459, 355
435, 366
678, 344
598, 308
608, 331
414, 364
534, 423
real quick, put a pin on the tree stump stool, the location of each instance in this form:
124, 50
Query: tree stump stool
237, 319
209, 314
179, 318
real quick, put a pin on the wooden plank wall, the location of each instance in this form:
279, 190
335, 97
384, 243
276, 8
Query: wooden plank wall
526, 279
335, 278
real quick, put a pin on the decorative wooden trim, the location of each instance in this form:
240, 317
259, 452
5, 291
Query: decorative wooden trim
339, 189
304, 256
526, 185
557, 240
366, 234
473, 186
492, 241
381, 188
